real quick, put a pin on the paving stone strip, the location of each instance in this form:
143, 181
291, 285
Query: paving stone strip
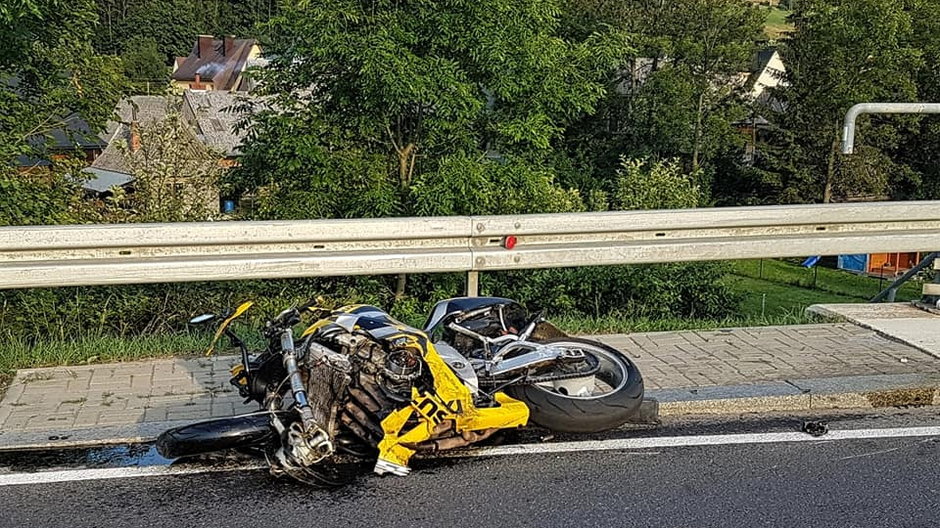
62, 399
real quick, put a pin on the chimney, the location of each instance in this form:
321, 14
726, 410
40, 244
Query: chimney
204, 46
135, 136
229, 45
134, 128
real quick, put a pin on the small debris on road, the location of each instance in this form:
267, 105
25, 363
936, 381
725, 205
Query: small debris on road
815, 428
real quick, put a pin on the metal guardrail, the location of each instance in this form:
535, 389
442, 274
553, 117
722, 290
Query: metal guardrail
40, 256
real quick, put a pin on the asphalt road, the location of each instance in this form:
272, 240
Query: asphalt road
873, 482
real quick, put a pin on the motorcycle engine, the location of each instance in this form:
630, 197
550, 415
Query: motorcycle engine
402, 368
394, 371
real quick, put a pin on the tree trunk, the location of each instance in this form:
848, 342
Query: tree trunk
400, 286
406, 167
406, 159
697, 142
830, 170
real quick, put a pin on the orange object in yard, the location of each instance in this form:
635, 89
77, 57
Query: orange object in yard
892, 264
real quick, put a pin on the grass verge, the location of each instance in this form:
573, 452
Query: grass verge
767, 299
774, 293
616, 324
17, 353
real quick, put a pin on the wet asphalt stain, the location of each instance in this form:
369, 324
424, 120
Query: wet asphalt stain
98, 457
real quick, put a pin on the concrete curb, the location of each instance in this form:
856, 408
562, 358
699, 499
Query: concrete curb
105, 435
852, 392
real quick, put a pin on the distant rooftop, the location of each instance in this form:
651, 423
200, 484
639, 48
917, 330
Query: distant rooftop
144, 109
215, 114
219, 61
102, 180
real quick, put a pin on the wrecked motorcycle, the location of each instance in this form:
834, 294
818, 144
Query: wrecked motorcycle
360, 383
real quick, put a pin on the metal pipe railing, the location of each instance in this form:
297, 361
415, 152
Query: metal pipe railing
890, 293
848, 129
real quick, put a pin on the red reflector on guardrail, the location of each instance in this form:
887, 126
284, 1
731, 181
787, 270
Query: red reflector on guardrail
509, 242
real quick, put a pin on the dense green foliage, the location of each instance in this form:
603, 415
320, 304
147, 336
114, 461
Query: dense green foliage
844, 52
144, 63
375, 112
49, 72
676, 95
174, 24
412, 114
49, 76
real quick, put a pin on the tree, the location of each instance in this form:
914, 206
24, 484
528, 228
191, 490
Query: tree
53, 198
174, 24
175, 175
49, 72
678, 93
843, 52
144, 63
633, 292
660, 185
715, 41
919, 148
373, 103
49, 75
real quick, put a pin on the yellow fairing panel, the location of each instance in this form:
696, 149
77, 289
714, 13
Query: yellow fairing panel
452, 400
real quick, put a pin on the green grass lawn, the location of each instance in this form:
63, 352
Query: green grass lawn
772, 299
773, 293
840, 284
776, 24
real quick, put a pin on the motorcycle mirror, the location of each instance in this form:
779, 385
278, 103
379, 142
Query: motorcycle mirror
200, 319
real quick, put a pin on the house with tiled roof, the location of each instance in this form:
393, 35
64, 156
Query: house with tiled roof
215, 117
110, 168
217, 65
73, 138
211, 117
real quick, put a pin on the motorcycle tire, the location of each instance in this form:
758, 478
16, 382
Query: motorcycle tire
236, 432
586, 414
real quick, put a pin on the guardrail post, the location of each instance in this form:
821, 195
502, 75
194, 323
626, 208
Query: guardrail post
473, 284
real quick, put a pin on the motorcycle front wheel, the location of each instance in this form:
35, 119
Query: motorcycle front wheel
235, 432
606, 400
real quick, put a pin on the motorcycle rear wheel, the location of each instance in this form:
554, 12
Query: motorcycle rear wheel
615, 400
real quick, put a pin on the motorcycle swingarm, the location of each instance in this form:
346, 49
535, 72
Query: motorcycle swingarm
540, 354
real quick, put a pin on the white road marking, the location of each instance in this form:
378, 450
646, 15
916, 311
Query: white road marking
703, 440
71, 475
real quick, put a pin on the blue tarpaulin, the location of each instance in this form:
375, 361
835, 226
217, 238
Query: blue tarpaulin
810, 262
853, 262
